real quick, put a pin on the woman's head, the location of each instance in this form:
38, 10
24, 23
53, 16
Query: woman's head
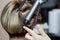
13, 15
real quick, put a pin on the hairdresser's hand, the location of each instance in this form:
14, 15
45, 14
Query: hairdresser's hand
33, 36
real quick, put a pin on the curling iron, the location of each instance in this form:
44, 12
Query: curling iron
37, 4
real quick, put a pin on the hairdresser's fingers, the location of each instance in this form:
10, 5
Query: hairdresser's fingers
44, 34
25, 13
28, 37
41, 31
30, 31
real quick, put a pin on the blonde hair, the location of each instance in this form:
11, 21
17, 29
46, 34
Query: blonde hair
10, 18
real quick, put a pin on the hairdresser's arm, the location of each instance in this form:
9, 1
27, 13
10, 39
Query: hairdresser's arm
33, 36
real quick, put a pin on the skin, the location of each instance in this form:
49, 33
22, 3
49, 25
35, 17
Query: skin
33, 36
